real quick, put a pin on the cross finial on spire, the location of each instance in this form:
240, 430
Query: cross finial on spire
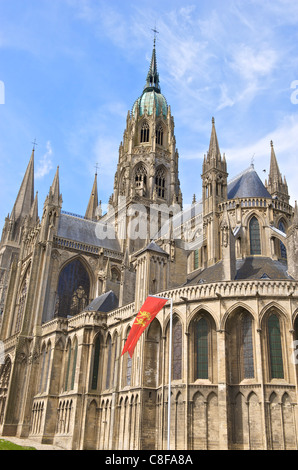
34, 144
96, 168
155, 33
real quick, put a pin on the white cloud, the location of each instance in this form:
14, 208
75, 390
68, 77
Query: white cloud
45, 164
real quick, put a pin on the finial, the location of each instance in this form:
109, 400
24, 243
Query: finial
155, 33
271, 143
96, 168
34, 144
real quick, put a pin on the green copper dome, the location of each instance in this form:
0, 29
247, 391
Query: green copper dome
146, 101
151, 93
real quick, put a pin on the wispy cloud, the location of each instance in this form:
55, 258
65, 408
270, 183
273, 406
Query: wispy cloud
45, 164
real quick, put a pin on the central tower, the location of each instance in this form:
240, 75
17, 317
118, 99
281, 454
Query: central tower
147, 170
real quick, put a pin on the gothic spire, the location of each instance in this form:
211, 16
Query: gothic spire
152, 80
25, 197
214, 150
276, 186
274, 174
93, 202
55, 189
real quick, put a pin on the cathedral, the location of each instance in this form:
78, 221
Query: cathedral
71, 286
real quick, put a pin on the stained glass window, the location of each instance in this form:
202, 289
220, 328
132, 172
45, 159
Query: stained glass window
177, 350
74, 363
109, 359
196, 259
283, 250
247, 345
254, 233
95, 364
276, 361
73, 289
201, 349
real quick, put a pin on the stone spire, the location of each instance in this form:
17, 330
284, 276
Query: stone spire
54, 193
91, 211
214, 150
25, 197
153, 76
276, 186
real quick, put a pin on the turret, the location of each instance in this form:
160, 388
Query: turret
277, 186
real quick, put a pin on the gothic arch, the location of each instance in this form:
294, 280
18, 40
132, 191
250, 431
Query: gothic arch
74, 287
273, 307
202, 341
153, 355
160, 181
197, 310
160, 133
240, 345
233, 309
140, 178
144, 131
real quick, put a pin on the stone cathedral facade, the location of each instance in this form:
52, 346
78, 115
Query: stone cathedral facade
69, 295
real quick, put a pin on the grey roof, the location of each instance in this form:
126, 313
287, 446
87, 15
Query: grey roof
261, 268
84, 231
248, 269
247, 184
104, 303
152, 246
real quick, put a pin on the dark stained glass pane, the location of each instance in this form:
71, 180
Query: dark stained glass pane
247, 344
202, 349
177, 350
276, 361
254, 232
73, 290
95, 364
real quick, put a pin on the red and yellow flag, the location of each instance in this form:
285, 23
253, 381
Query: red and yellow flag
147, 313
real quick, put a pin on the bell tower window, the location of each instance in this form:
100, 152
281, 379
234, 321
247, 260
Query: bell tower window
145, 132
159, 135
160, 183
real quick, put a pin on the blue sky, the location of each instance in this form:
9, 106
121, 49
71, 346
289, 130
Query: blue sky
72, 69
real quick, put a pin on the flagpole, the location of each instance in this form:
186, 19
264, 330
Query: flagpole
170, 372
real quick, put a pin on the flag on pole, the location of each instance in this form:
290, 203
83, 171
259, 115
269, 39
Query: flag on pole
147, 313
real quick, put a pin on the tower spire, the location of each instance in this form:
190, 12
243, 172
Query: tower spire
152, 80
93, 201
276, 186
214, 150
25, 197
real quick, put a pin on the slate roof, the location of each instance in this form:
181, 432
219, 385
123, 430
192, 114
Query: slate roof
248, 269
152, 246
83, 230
104, 303
247, 184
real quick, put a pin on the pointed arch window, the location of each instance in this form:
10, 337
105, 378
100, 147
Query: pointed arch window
160, 183
283, 250
95, 369
141, 179
22, 301
201, 349
145, 132
275, 350
73, 289
177, 350
159, 135
109, 362
254, 234
247, 346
